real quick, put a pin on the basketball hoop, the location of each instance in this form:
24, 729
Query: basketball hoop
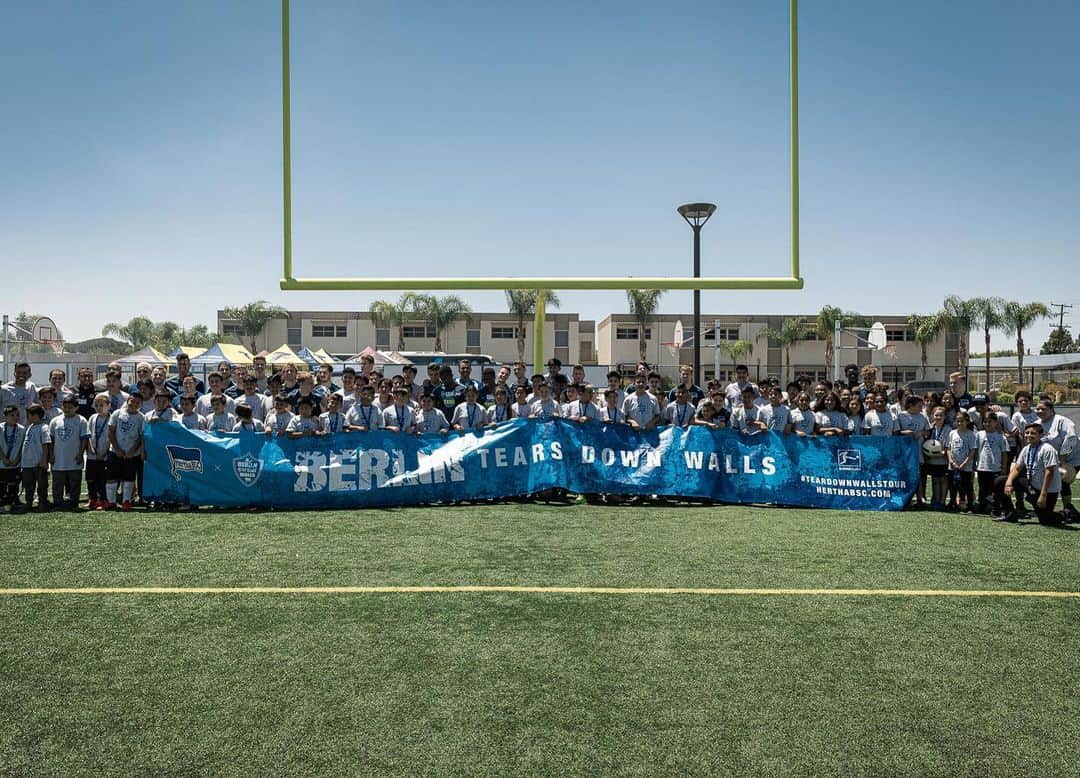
889, 352
673, 349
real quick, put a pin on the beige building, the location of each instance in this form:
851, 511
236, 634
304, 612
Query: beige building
344, 333
617, 344
614, 341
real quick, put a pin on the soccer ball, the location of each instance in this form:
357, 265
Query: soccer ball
932, 448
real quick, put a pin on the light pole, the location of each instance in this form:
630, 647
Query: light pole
696, 214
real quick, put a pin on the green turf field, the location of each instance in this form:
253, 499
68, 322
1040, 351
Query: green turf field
538, 683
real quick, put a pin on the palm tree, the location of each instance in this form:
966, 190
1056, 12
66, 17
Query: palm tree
440, 312
389, 315
958, 315
1015, 319
253, 317
522, 304
140, 332
787, 335
924, 330
643, 305
987, 315
825, 326
736, 350
197, 335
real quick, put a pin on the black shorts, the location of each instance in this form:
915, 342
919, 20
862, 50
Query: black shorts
117, 469
937, 470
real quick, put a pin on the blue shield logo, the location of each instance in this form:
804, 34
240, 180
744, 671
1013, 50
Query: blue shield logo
247, 469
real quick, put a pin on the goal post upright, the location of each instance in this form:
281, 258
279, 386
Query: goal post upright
290, 282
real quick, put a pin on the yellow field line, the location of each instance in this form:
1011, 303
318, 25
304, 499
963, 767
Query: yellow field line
608, 590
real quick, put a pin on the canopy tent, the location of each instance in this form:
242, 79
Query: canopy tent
283, 355
309, 357
223, 352
382, 358
325, 358
149, 354
191, 351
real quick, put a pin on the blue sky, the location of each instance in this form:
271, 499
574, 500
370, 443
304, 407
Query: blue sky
141, 151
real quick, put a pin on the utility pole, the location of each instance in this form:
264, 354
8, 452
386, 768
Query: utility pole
1061, 313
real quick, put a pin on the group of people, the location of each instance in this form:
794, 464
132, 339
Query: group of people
963, 439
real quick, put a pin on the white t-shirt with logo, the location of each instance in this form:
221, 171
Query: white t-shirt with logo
68, 433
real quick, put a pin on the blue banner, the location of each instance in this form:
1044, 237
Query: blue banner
524, 456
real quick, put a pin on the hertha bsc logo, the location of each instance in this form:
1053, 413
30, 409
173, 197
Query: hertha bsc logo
247, 469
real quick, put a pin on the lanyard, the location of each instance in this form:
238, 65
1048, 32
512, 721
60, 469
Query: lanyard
470, 409
500, 413
612, 413
400, 417
333, 422
1032, 457
366, 414
682, 414
938, 432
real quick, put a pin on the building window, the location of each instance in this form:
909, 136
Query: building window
631, 333
382, 338
231, 328
503, 333
897, 335
294, 337
811, 335
898, 377
562, 338
328, 329
417, 331
472, 338
724, 333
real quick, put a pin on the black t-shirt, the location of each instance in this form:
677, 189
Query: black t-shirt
694, 392
84, 396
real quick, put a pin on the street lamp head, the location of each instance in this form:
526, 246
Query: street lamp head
696, 214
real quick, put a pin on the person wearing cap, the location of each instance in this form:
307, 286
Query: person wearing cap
980, 408
70, 435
